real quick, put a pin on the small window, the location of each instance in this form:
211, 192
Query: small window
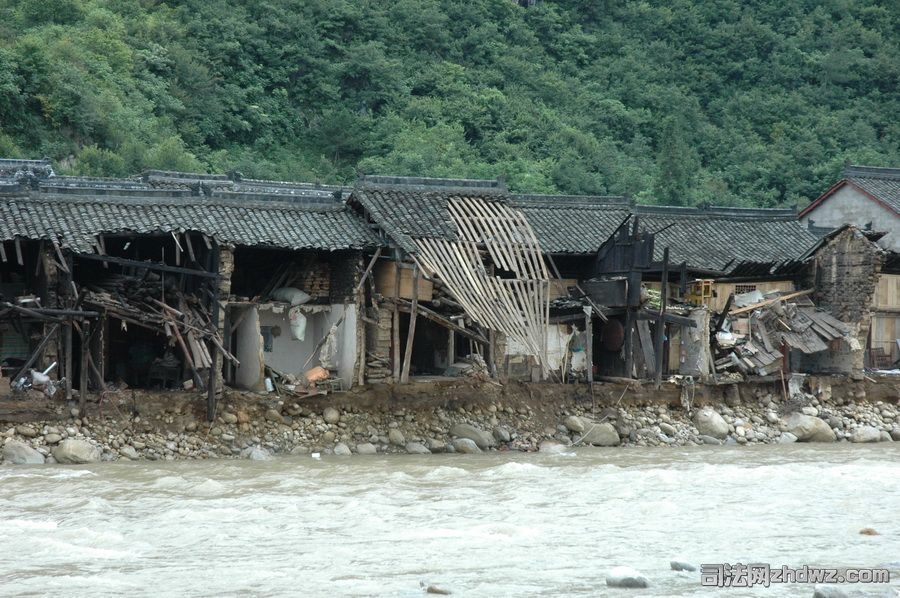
740, 289
268, 338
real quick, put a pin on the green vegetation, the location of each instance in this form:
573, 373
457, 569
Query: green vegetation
753, 102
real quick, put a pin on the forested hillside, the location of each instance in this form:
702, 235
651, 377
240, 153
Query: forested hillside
743, 102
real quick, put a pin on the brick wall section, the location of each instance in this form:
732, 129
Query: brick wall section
314, 278
346, 268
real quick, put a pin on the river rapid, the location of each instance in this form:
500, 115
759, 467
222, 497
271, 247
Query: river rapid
498, 524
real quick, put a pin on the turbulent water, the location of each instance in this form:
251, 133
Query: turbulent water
491, 525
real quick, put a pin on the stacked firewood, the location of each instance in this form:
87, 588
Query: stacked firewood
378, 368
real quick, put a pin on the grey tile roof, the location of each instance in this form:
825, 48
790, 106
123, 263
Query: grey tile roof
715, 238
882, 183
409, 208
74, 210
570, 224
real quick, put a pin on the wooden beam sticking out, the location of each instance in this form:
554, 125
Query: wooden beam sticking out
437, 318
744, 310
190, 247
3, 251
148, 265
413, 313
240, 319
367, 271
62, 260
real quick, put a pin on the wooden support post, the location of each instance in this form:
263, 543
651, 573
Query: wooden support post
213, 346
629, 343
67, 347
407, 357
368, 270
451, 346
491, 352
661, 322
360, 336
395, 326
83, 374
589, 348
19, 259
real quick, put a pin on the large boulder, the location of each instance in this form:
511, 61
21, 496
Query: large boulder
574, 424
710, 423
417, 448
465, 445
626, 577
366, 448
479, 437
342, 450
808, 428
866, 434
72, 450
604, 434
331, 415
20, 453
256, 453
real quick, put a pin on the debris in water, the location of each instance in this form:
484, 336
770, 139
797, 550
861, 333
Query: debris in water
868, 531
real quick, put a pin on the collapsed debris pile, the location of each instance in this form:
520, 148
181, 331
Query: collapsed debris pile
753, 338
158, 304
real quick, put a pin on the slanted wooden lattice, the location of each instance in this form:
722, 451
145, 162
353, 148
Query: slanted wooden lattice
492, 236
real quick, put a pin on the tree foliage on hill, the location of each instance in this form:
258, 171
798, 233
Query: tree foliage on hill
753, 102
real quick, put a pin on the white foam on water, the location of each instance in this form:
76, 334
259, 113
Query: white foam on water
28, 524
207, 488
80, 551
446, 472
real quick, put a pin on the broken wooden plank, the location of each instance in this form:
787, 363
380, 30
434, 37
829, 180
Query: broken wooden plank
771, 301
646, 342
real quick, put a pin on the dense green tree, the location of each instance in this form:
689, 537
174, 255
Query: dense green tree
725, 102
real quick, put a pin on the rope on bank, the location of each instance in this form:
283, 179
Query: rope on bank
602, 419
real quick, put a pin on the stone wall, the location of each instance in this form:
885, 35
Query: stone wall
845, 274
378, 345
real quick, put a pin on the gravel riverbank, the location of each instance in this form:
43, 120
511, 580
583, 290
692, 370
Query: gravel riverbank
257, 427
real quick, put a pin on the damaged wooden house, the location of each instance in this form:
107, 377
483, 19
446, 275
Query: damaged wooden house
858, 281
464, 285
696, 270
156, 282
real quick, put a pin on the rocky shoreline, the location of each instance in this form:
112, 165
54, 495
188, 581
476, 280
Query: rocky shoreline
258, 427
